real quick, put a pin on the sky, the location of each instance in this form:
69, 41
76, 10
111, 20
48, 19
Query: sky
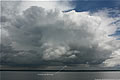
77, 34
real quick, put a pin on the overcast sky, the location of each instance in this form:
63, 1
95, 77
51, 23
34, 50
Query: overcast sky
58, 33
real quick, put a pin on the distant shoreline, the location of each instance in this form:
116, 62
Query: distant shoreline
67, 70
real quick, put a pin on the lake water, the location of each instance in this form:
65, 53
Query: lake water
36, 75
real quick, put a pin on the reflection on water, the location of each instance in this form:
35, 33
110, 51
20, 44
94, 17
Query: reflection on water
30, 75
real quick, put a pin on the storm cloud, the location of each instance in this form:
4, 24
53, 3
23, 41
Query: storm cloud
38, 36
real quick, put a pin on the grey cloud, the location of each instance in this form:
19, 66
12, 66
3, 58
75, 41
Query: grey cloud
50, 37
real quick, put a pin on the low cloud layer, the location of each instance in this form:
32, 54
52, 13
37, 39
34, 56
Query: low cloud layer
38, 36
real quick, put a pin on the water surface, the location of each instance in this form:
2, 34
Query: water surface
36, 75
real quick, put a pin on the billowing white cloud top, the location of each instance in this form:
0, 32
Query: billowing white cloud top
39, 35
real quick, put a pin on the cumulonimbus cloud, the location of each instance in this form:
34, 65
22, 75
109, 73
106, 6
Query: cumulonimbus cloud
40, 36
